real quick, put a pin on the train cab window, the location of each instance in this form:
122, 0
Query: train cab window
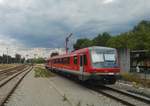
85, 59
75, 59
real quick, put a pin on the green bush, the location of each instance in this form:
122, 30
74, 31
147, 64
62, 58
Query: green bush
135, 79
41, 72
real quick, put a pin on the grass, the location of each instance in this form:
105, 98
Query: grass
65, 98
42, 72
135, 79
79, 103
90, 105
5, 66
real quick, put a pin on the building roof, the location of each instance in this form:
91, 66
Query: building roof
138, 51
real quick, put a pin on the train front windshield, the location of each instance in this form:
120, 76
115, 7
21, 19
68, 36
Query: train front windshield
103, 58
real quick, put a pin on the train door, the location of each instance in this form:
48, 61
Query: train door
81, 66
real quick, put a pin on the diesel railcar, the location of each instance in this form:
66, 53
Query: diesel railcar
92, 63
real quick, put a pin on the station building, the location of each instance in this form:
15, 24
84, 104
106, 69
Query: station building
130, 60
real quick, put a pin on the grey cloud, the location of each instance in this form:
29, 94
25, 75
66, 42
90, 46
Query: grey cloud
45, 22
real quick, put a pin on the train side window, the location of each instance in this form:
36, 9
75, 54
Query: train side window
55, 61
63, 61
75, 59
85, 59
59, 61
68, 60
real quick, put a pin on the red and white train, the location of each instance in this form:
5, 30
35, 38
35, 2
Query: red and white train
92, 63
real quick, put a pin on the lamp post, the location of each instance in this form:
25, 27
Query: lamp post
7, 55
66, 42
27, 58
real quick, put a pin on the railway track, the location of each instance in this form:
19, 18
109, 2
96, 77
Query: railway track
8, 72
6, 68
10, 68
121, 96
9, 84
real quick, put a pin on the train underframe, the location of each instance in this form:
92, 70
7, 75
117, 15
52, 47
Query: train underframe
101, 79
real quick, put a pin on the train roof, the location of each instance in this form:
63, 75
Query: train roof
101, 47
83, 50
94, 47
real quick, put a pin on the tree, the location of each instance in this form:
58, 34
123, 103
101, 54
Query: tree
120, 41
1, 59
39, 60
101, 39
18, 58
82, 43
141, 37
138, 38
8, 59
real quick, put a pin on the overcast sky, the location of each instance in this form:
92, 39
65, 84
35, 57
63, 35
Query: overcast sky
45, 23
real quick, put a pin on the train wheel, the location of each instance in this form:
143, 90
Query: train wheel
113, 81
109, 80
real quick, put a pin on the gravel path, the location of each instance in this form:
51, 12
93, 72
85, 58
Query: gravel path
56, 91
130, 87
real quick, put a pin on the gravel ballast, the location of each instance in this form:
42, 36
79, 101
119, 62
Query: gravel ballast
56, 91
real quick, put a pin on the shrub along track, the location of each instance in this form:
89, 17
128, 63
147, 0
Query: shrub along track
9, 84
